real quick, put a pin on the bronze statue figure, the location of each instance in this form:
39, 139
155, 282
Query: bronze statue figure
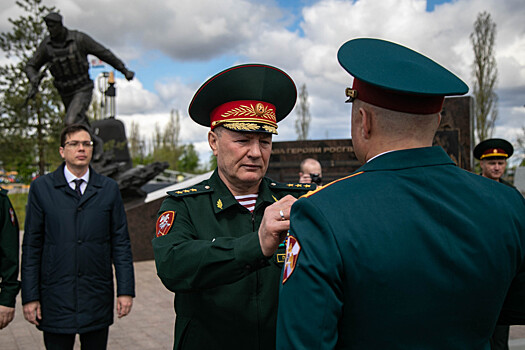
64, 52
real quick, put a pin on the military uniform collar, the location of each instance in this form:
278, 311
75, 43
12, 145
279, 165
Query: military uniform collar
222, 197
408, 158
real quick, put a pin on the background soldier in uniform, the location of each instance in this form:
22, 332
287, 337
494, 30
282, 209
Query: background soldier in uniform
219, 244
492, 155
9, 256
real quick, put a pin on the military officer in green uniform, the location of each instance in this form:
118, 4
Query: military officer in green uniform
219, 244
492, 155
410, 251
9, 256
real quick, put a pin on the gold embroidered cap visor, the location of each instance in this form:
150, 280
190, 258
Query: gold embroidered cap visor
248, 98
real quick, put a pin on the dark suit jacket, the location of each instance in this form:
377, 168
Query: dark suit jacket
69, 246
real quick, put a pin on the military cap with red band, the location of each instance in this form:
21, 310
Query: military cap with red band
493, 148
395, 77
248, 98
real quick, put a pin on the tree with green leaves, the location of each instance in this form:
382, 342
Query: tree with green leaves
29, 128
485, 74
189, 159
166, 142
302, 123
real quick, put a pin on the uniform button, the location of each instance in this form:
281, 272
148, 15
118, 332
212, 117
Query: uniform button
79, 241
248, 267
272, 184
79, 209
80, 274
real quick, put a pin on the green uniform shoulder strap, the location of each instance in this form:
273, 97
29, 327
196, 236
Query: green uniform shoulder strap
292, 186
191, 191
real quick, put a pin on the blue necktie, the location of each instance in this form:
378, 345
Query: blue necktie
78, 182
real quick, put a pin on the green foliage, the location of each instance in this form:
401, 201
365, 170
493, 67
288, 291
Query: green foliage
189, 159
19, 200
212, 162
29, 129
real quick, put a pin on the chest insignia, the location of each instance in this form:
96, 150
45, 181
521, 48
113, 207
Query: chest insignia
164, 223
219, 204
292, 253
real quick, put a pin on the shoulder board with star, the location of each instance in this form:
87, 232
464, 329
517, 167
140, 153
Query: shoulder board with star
191, 191
320, 188
293, 186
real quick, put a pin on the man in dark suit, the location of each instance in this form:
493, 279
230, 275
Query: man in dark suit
404, 253
75, 229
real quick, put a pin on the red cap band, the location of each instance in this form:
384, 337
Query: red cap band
397, 101
494, 152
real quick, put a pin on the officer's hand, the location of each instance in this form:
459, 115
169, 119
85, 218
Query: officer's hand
6, 315
124, 303
32, 312
129, 74
273, 227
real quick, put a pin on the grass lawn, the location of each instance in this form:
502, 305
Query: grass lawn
19, 201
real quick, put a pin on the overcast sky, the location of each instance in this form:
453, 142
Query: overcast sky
174, 46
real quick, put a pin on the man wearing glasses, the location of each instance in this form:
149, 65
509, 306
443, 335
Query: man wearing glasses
75, 228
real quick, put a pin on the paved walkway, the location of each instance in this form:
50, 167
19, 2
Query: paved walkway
149, 326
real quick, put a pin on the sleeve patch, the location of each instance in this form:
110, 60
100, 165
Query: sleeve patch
292, 253
164, 223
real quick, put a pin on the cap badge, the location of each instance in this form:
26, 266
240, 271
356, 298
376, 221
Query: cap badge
259, 109
351, 94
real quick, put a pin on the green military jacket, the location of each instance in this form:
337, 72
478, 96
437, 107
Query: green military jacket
9, 252
226, 290
408, 252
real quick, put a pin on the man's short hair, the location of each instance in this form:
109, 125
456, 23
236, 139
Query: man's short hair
71, 129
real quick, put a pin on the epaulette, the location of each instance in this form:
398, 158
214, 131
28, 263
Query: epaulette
191, 191
293, 186
330, 184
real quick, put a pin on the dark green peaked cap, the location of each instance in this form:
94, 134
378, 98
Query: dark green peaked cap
493, 148
267, 93
395, 77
